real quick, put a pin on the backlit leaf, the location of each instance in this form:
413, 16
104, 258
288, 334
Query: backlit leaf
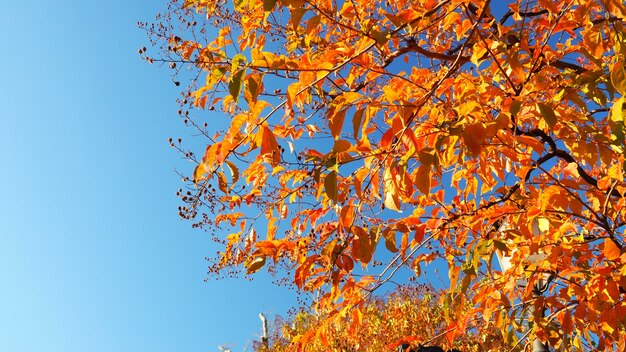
330, 186
255, 264
618, 77
548, 114
268, 5
611, 251
235, 83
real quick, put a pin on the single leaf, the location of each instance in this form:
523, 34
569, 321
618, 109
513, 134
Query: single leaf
255, 264
611, 251
474, 135
253, 87
221, 182
235, 83
268, 5
362, 245
198, 172
618, 77
330, 186
515, 107
335, 122
548, 114
392, 201
269, 146
390, 240
543, 224
422, 179
234, 171
357, 120
341, 146
345, 262
347, 216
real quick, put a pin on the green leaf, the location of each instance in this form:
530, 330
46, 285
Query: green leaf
237, 61
215, 76
330, 186
235, 83
548, 114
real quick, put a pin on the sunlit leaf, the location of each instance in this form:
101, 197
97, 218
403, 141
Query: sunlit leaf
618, 77
255, 264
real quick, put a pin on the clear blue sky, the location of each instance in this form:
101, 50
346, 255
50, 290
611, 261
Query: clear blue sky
92, 254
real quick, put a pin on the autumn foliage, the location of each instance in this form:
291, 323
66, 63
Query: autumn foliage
365, 138
384, 324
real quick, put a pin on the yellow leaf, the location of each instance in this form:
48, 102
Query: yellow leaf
233, 170
617, 111
618, 77
391, 191
198, 172
255, 264
477, 54
543, 224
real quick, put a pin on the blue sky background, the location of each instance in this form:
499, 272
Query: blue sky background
92, 254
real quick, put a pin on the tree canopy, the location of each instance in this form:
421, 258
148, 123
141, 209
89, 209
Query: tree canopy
387, 323
363, 138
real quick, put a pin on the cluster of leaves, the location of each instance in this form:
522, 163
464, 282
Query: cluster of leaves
409, 315
363, 137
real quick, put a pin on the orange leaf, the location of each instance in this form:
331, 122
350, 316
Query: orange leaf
269, 146
422, 179
474, 136
335, 122
362, 245
611, 251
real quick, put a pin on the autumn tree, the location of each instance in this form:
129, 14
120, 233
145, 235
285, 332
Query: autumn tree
362, 138
387, 322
